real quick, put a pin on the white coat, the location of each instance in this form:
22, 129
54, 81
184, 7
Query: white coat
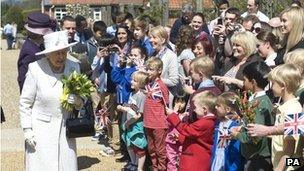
40, 110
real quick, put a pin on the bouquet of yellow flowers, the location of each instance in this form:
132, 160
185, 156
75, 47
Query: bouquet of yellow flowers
77, 84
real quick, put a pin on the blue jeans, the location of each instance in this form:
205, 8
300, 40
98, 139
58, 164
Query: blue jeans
10, 40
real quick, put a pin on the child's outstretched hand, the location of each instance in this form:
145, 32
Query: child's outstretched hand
121, 108
182, 115
188, 89
235, 130
179, 105
169, 111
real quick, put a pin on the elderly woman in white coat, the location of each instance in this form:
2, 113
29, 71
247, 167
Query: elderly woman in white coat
41, 115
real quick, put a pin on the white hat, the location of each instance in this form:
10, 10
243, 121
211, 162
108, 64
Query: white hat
56, 41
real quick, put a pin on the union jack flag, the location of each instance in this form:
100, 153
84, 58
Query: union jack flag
224, 138
294, 124
154, 91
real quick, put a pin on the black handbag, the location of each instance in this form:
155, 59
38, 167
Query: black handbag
81, 123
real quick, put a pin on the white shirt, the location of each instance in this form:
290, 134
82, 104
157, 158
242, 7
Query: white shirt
270, 59
259, 14
8, 29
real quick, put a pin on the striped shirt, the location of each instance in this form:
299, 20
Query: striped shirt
154, 109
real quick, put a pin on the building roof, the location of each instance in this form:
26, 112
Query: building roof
93, 2
177, 4
173, 4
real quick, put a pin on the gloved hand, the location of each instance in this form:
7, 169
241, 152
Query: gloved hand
75, 100
29, 138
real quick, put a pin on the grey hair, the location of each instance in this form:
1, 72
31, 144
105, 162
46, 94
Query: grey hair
187, 8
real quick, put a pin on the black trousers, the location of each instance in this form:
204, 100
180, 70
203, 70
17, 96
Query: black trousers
258, 164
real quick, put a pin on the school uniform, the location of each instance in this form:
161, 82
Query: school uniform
197, 146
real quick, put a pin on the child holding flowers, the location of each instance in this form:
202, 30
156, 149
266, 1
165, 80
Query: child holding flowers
226, 151
256, 150
285, 80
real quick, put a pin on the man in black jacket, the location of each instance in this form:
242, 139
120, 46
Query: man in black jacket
185, 19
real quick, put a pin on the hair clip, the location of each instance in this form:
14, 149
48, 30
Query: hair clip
233, 101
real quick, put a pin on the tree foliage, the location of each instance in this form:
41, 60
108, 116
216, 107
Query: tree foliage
79, 9
14, 14
4, 9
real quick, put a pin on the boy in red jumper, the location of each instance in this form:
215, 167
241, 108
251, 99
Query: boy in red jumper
154, 117
197, 146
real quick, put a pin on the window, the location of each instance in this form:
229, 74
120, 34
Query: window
97, 14
60, 12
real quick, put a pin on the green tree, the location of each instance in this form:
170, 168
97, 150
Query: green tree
4, 9
14, 14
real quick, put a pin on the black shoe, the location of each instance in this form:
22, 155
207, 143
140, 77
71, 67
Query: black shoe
133, 167
122, 159
130, 167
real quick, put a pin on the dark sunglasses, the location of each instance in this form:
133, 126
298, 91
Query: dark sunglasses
256, 29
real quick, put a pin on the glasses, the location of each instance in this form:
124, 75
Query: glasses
256, 29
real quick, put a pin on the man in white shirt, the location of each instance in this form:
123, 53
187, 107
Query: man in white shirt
8, 31
253, 8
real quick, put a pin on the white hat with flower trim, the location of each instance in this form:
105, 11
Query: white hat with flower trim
56, 41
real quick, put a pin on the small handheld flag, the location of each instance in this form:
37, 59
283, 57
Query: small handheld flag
294, 124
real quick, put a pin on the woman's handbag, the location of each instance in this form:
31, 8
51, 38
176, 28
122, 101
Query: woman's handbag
83, 125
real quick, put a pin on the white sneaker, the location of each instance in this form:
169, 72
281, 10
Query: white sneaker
104, 154
96, 136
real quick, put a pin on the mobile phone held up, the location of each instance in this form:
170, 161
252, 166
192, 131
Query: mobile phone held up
220, 21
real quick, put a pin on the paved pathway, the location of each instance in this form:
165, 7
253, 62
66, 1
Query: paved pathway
12, 142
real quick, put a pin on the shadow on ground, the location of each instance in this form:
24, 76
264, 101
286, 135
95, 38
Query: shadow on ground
85, 162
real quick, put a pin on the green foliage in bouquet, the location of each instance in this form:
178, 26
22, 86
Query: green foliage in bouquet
247, 109
77, 84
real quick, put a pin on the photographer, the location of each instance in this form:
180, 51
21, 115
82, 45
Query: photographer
222, 33
99, 51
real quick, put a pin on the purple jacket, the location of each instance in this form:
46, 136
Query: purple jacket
26, 56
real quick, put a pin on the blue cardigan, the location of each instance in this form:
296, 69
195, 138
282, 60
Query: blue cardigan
233, 159
122, 78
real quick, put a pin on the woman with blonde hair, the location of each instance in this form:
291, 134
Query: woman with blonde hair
292, 20
159, 37
244, 52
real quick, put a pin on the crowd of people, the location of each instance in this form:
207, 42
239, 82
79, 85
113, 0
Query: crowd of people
200, 95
